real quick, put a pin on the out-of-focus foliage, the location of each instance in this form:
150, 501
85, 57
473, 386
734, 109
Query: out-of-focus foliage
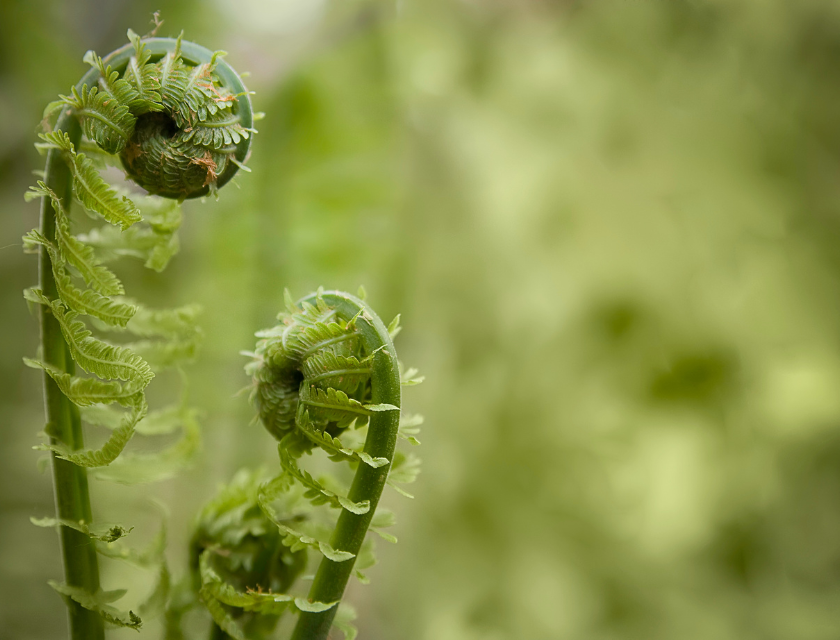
612, 227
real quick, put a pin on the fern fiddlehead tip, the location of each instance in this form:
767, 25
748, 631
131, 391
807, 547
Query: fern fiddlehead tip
177, 115
326, 377
238, 562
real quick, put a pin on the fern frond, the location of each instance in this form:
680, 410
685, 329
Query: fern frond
75, 251
92, 191
108, 535
143, 78
109, 451
118, 115
332, 445
105, 119
85, 392
316, 493
143, 468
100, 603
93, 355
332, 359
87, 302
405, 470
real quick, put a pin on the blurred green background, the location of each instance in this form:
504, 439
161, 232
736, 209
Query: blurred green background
612, 230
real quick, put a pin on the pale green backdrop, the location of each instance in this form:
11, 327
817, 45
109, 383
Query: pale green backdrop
612, 230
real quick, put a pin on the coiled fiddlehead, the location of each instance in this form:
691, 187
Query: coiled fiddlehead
178, 119
177, 125
327, 378
238, 561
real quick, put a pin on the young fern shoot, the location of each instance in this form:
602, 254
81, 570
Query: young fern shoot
177, 118
327, 377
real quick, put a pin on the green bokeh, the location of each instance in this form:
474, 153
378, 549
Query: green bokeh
612, 230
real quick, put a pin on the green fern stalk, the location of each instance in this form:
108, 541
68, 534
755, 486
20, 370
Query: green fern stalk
64, 425
369, 481
180, 120
326, 378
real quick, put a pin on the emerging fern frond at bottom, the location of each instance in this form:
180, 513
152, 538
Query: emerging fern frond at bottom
326, 378
238, 563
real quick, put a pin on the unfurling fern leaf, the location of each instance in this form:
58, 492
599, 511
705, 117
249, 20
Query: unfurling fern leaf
104, 118
88, 302
100, 603
122, 106
91, 189
217, 130
142, 77
154, 240
241, 570
109, 535
84, 392
114, 446
77, 253
325, 378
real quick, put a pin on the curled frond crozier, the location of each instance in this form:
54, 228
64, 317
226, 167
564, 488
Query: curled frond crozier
310, 372
238, 562
178, 117
327, 378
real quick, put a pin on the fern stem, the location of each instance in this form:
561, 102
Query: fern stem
81, 566
332, 577
70, 482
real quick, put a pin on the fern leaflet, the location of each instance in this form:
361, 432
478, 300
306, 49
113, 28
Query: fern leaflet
92, 191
